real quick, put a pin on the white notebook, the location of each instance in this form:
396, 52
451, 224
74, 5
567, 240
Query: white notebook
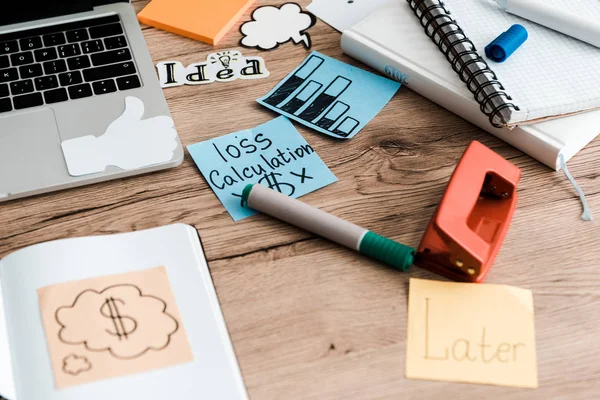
551, 74
392, 41
120, 317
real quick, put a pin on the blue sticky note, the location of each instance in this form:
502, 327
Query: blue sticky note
330, 96
273, 154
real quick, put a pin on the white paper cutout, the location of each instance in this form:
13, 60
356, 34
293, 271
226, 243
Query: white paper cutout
272, 26
224, 66
343, 14
128, 143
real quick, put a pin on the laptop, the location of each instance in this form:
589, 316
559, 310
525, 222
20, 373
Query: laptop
66, 68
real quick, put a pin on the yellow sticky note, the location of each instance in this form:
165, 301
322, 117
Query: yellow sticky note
476, 333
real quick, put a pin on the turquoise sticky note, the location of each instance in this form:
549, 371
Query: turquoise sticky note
330, 96
273, 154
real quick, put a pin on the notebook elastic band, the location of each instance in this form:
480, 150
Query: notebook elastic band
587, 214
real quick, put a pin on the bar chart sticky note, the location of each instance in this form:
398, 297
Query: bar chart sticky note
204, 20
330, 96
273, 154
470, 332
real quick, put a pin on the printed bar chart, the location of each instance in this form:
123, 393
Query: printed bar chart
325, 99
302, 97
333, 115
330, 96
324, 107
295, 81
346, 127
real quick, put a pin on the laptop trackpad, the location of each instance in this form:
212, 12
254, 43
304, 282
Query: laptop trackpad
30, 153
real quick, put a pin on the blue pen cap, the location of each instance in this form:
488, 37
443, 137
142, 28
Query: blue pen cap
504, 45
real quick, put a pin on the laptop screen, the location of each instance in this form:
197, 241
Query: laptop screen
30, 10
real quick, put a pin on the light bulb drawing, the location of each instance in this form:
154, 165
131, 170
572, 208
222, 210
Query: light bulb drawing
225, 58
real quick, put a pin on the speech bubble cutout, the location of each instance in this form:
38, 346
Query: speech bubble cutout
128, 143
272, 26
120, 320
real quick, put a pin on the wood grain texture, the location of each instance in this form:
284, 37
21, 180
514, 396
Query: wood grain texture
308, 319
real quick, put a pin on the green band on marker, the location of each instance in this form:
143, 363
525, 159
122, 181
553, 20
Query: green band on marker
387, 251
246, 194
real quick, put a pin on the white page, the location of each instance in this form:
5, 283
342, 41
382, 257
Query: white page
213, 373
7, 385
342, 14
551, 73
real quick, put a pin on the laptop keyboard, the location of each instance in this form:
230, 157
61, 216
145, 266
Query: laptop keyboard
65, 62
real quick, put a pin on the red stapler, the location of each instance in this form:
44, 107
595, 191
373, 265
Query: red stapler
470, 223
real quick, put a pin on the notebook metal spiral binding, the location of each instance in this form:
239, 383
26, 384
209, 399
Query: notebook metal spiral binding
461, 53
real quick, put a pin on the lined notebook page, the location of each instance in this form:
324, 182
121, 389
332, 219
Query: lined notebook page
551, 73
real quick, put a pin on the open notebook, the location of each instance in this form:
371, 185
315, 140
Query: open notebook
551, 74
120, 317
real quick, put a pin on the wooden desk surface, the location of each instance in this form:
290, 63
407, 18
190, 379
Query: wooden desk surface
311, 320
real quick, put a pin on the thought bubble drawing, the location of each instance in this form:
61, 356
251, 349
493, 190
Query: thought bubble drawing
74, 364
272, 26
128, 143
120, 320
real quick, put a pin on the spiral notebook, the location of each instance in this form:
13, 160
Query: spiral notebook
550, 76
392, 41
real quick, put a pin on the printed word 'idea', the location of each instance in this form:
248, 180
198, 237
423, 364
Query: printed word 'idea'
224, 66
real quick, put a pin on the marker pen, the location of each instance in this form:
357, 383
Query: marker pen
295, 212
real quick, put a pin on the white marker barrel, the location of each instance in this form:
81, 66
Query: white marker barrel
328, 226
543, 13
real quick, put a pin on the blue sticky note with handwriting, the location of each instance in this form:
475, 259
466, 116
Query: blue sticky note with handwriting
273, 154
330, 96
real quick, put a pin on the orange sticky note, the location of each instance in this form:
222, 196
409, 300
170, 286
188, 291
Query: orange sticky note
204, 20
112, 326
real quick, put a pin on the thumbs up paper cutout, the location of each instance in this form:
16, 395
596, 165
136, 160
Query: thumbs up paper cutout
128, 143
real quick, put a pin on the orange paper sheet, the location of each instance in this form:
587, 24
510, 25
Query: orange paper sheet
204, 20
112, 326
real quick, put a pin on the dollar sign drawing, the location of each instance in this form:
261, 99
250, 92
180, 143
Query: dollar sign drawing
274, 184
124, 325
